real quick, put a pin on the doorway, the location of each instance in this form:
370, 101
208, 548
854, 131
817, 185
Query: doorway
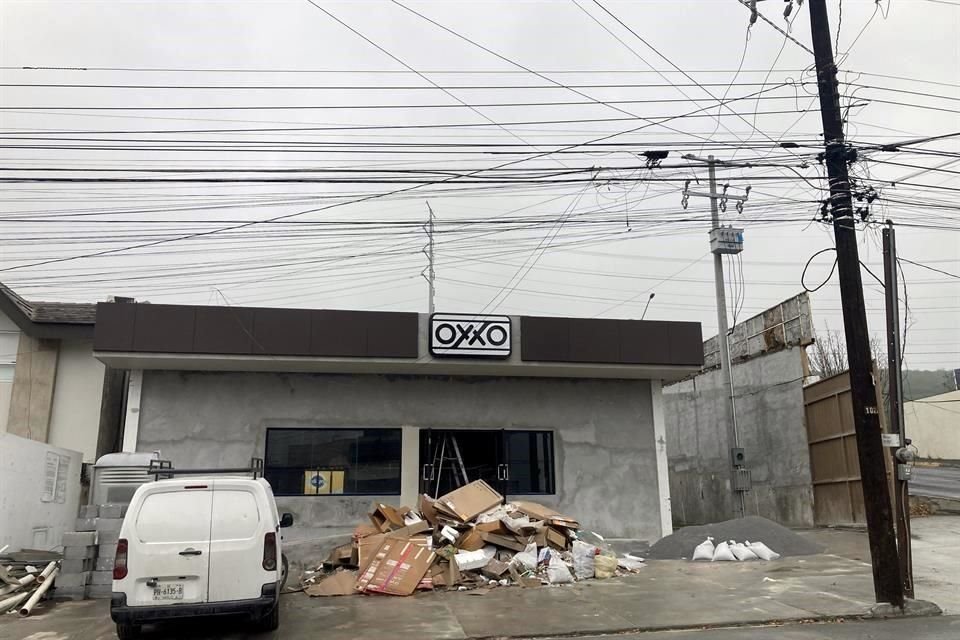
512, 462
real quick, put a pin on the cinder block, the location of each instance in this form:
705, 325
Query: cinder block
79, 539
104, 563
108, 524
101, 577
108, 537
70, 593
107, 550
99, 591
88, 511
113, 510
86, 524
76, 566
79, 553
73, 579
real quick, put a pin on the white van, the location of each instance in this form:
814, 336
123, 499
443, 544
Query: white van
199, 546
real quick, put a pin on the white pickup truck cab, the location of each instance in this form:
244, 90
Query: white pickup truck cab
199, 546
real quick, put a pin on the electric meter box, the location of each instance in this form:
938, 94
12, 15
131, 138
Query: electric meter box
726, 240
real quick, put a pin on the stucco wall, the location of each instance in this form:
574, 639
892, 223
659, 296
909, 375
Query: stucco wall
604, 437
75, 415
770, 415
934, 426
9, 338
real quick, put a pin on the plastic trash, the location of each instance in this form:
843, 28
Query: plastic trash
558, 572
704, 550
630, 563
450, 534
526, 559
742, 553
467, 560
762, 551
722, 553
583, 555
604, 566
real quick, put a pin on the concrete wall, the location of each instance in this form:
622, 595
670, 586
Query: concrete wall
29, 518
934, 426
770, 415
606, 471
75, 414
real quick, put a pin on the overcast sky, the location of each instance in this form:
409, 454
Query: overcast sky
595, 237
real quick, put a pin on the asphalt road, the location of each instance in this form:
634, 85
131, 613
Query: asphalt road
941, 628
936, 482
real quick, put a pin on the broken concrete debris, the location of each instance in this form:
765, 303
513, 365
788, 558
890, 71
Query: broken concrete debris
466, 539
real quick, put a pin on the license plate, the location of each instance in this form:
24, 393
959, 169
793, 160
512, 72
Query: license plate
168, 591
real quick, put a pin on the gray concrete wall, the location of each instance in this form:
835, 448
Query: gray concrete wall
604, 438
770, 415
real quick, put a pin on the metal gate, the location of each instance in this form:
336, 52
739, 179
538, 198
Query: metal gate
834, 465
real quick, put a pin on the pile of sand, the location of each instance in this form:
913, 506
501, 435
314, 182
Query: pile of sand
753, 528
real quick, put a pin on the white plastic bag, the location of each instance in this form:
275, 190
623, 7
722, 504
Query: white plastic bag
467, 560
630, 563
762, 551
704, 550
722, 553
526, 559
558, 572
742, 552
583, 555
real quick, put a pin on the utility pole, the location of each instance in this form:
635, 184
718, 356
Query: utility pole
895, 373
724, 240
430, 273
887, 583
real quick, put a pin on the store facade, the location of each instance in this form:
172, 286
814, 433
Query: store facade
351, 407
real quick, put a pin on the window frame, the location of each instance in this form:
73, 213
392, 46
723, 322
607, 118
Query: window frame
345, 494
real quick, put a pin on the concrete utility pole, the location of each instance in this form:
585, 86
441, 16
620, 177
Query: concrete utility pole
887, 581
718, 248
430, 273
894, 371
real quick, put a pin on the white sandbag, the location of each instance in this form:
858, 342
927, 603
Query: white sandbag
604, 566
467, 560
722, 553
742, 553
704, 550
583, 555
526, 559
558, 572
762, 551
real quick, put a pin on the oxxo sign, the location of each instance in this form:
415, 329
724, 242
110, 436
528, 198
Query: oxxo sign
465, 335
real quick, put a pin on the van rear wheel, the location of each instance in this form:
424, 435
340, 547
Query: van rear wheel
269, 622
128, 631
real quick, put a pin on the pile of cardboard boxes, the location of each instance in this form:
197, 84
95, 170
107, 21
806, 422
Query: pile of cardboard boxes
468, 538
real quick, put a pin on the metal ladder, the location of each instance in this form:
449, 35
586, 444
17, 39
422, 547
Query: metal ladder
456, 467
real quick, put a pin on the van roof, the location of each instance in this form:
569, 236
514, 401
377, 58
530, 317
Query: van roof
208, 478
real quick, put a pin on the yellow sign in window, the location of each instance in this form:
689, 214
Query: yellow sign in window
322, 482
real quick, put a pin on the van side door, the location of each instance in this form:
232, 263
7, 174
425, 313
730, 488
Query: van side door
238, 529
169, 547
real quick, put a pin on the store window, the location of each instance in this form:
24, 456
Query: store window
318, 462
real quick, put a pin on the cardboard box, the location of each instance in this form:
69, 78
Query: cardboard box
555, 539
471, 541
540, 512
427, 510
367, 549
412, 529
340, 556
398, 567
341, 583
364, 530
469, 501
505, 542
495, 569
493, 527
385, 518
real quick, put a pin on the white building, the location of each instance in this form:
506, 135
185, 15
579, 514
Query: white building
51, 386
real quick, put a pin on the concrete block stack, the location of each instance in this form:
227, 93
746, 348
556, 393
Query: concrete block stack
109, 521
79, 557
